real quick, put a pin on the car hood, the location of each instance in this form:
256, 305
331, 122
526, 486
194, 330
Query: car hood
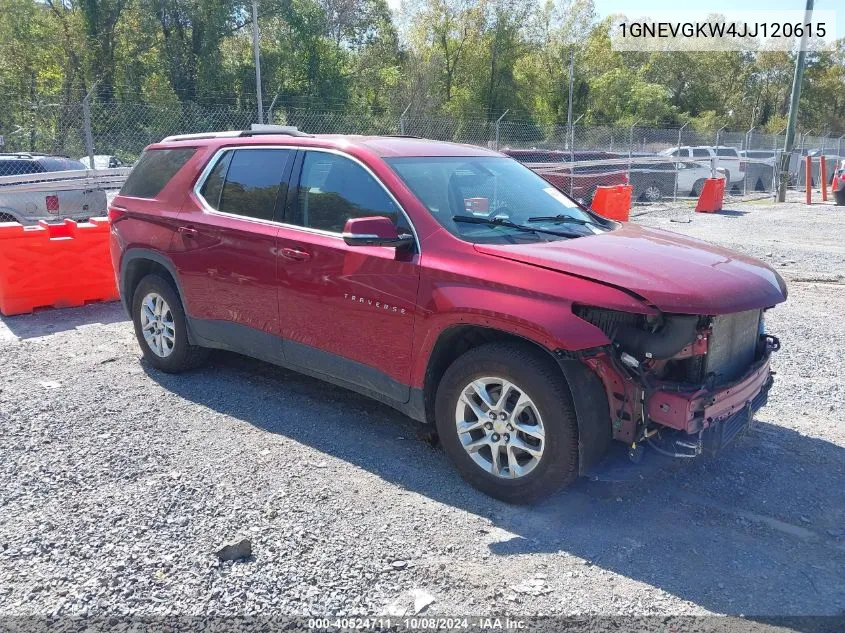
673, 272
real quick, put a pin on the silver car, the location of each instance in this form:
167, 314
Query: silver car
28, 207
102, 161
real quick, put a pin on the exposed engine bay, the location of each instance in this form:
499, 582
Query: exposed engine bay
685, 384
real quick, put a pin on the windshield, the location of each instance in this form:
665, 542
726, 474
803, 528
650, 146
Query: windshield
457, 188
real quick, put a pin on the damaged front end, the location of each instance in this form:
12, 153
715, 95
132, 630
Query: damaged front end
687, 385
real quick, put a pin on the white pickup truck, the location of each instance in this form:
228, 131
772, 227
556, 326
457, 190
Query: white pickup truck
28, 207
727, 158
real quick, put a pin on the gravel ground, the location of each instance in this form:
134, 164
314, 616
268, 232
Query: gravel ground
119, 483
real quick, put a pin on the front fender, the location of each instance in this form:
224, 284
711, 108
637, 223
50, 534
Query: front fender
545, 320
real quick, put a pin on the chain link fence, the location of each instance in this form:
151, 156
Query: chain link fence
660, 163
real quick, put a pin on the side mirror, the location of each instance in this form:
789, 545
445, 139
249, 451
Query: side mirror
374, 231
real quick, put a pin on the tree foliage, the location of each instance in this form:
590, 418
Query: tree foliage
463, 58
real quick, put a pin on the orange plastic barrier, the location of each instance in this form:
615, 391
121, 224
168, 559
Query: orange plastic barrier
58, 265
823, 177
809, 179
712, 196
613, 202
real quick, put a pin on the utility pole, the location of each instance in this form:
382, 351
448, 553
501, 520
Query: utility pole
569, 108
86, 121
793, 106
675, 191
255, 48
572, 137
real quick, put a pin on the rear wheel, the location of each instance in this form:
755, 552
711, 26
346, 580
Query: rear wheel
697, 187
160, 326
506, 420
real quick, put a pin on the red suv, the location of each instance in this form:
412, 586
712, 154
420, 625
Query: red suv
452, 283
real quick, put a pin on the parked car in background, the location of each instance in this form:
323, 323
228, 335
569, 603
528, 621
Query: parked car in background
760, 168
653, 182
451, 283
726, 157
798, 165
102, 161
579, 182
28, 207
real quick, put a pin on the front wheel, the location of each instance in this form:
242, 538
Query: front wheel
505, 418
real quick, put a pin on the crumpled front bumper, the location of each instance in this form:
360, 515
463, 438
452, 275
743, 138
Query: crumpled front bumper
702, 409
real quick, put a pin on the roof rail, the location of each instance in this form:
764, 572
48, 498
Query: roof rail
261, 128
256, 130
201, 135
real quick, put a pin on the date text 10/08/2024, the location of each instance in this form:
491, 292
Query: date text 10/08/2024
417, 624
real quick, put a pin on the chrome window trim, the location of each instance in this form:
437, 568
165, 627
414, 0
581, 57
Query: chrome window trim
207, 208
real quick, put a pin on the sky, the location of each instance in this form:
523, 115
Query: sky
641, 7
606, 7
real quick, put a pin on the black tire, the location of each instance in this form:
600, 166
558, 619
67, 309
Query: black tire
183, 356
538, 376
697, 186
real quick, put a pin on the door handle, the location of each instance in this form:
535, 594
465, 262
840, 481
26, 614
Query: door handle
295, 254
187, 231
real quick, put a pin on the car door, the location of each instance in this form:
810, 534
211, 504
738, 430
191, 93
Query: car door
345, 311
225, 249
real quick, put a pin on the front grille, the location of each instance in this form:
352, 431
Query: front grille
732, 347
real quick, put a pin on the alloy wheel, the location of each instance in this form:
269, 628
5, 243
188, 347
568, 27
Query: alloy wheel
652, 194
157, 325
500, 427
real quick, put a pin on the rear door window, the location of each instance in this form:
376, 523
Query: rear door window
154, 170
252, 181
727, 151
701, 153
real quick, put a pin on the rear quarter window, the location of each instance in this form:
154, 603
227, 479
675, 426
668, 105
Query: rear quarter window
154, 170
19, 167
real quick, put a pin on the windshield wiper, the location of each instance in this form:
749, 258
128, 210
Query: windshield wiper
469, 219
566, 219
